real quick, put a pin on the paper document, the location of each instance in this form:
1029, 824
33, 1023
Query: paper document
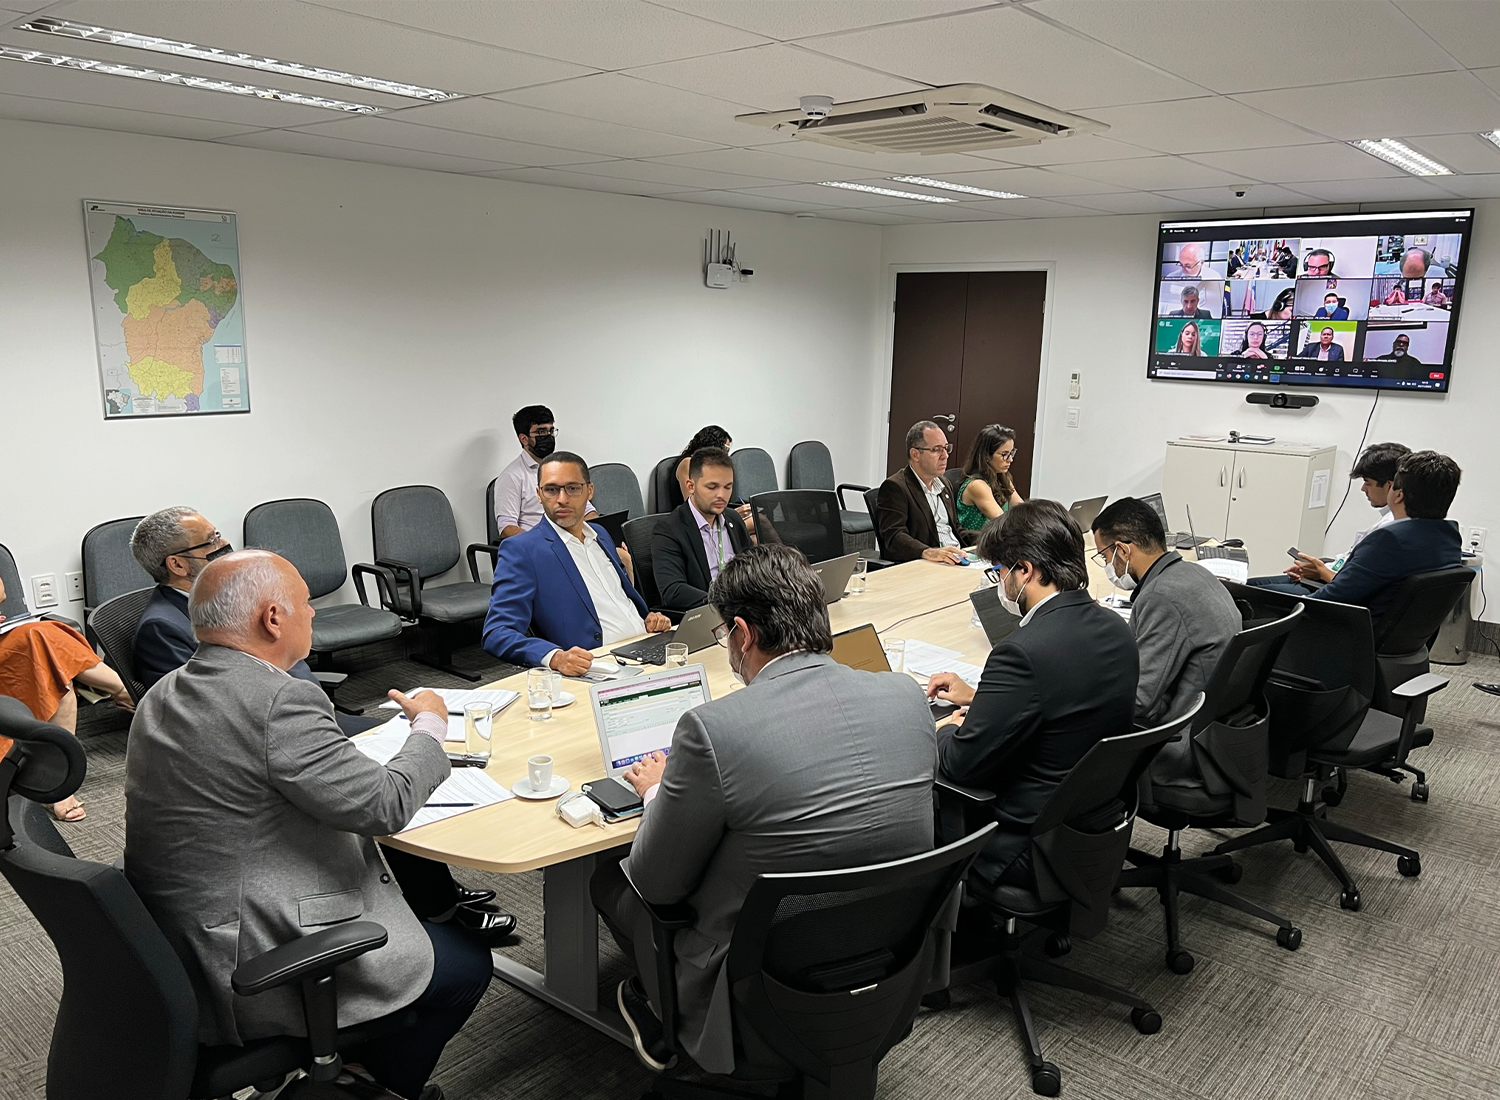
466, 789
1317, 491
458, 698
1227, 569
18, 620
923, 659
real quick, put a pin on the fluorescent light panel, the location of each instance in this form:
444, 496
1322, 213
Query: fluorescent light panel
923, 181
1491, 136
231, 57
1402, 156
885, 191
186, 80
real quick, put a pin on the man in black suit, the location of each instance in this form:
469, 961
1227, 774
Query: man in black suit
702, 533
915, 514
1062, 681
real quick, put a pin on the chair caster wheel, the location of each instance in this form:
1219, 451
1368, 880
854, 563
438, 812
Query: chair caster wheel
1300, 847
1179, 962
1046, 1080
1147, 1020
1409, 866
1349, 899
1419, 792
938, 1000
1331, 796
1057, 945
1290, 938
1231, 874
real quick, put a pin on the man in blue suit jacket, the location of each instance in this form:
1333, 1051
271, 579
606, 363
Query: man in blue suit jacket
1324, 349
1421, 539
560, 589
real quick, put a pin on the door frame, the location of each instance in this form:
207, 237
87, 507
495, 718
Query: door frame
1049, 267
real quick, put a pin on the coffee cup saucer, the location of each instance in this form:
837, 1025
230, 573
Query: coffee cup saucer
521, 788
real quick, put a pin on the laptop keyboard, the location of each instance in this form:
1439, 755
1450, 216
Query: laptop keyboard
1229, 553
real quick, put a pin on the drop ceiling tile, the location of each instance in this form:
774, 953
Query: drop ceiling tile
1315, 43
313, 35
1460, 152
808, 17
843, 160
614, 97
770, 166
678, 175
517, 123
1480, 186
294, 141
774, 77
1134, 202
1439, 103
1008, 49
397, 132
1384, 190
825, 196
1468, 29
559, 177
996, 209
1037, 183
1150, 173
1328, 161
99, 117
898, 216
1067, 150
1256, 196
1207, 124
1491, 77
746, 201
602, 34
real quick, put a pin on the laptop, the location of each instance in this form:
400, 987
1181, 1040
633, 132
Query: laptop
1178, 540
1084, 512
614, 525
835, 574
998, 623
636, 718
696, 631
860, 648
1231, 553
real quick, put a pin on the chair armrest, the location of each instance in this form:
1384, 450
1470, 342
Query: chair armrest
860, 489
49, 617
404, 576
1420, 687
977, 795
331, 680
307, 957
666, 921
385, 583
877, 563
475, 548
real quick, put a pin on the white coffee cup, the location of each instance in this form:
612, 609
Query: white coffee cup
539, 773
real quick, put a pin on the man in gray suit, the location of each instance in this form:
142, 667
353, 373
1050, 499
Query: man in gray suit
248, 823
814, 766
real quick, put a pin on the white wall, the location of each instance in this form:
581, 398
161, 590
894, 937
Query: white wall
395, 319
1099, 324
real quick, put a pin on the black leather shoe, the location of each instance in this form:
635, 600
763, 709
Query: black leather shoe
465, 896
645, 1028
490, 925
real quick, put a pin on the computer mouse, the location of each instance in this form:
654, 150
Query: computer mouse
1238, 544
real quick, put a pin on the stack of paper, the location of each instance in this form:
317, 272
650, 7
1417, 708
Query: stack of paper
458, 698
464, 790
1227, 569
925, 659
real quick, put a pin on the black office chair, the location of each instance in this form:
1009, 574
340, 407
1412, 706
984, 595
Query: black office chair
416, 539
805, 518
882, 562
1320, 691
14, 604
638, 533
1214, 777
665, 493
113, 623
1078, 846
491, 526
955, 476
754, 472
127, 1024
616, 489
825, 969
810, 466
109, 568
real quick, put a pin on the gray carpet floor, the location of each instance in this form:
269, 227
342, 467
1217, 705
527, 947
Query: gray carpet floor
1397, 1002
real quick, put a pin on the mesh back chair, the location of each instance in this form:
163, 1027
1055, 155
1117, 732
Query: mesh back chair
810, 466
113, 623
1214, 777
109, 568
666, 494
638, 534
616, 489
127, 1024
754, 473
1078, 845
416, 539
15, 592
805, 518
825, 969
1320, 691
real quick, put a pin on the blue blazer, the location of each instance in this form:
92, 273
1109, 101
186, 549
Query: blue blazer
1387, 556
539, 602
1310, 351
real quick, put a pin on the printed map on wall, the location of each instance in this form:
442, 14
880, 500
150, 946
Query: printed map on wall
166, 287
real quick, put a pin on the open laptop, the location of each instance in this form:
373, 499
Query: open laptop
998, 623
696, 631
1177, 540
860, 648
1231, 553
835, 573
1084, 512
614, 525
637, 717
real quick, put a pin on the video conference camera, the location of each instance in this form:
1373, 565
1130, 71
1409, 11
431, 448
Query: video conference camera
1281, 400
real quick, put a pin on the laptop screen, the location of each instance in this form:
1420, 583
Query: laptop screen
1154, 502
636, 717
860, 648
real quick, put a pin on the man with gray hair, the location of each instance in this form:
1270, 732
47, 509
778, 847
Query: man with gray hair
814, 766
915, 514
249, 820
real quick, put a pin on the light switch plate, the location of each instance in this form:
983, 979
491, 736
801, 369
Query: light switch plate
1073, 416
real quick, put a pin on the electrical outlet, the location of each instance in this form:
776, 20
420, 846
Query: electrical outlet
1476, 538
44, 590
74, 583
1073, 416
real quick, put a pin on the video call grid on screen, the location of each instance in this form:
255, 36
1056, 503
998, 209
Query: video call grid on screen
1357, 300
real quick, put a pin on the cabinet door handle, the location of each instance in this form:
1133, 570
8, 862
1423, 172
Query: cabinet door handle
1240, 480
1221, 477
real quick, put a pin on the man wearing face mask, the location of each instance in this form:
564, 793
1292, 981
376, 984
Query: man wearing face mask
1181, 615
517, 508
1062, 681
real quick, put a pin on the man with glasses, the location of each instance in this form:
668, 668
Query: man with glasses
915, 514
560, 589
517, 508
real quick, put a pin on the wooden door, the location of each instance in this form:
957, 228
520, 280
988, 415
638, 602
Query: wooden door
927, 356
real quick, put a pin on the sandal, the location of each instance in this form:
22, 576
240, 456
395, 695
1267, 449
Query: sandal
73, 814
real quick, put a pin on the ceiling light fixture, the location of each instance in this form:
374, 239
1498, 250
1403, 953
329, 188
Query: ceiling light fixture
232, 57
186, 80
1402, 156
1491, 136
891, 191
923, 181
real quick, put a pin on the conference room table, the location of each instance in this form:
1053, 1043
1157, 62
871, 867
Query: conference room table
919, 600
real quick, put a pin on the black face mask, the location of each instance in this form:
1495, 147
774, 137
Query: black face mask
544, 445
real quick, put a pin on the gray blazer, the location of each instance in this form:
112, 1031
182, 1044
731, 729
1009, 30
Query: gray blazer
1183, 618
248, 818
814, 766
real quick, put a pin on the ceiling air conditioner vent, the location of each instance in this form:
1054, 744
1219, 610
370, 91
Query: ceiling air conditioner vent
955, 119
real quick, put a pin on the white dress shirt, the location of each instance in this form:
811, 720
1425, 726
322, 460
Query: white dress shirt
934, 492
618, 617
1026, 618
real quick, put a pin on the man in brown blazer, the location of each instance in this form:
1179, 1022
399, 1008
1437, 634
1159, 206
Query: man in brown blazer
915, 514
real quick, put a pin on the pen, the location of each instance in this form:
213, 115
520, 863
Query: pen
448, 805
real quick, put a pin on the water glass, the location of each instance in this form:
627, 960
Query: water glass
677, 653
895, 653
857, 578
539, 687
477, 719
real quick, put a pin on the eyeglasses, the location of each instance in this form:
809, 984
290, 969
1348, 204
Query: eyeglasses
1104, 554
571, 489
1006, 456
542, 431
943, 448
996, 575
722, 632
214, 541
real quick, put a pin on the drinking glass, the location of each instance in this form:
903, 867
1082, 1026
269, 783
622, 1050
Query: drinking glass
477, 719
857, 578
895, 653
677, 653
539, 694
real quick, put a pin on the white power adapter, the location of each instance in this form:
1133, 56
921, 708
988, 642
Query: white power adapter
578, 810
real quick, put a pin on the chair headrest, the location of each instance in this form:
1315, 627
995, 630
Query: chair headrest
40, 761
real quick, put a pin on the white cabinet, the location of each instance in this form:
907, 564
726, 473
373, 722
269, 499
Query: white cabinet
1273, 497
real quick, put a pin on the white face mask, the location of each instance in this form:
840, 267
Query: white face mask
1123, 581
1011, 605
735, 672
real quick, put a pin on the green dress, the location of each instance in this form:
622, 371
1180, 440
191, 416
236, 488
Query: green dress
971, 518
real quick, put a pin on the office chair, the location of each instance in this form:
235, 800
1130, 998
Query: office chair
754, 472
616, 489
416, 539
638, 534
805, 518
15, 592
882, 562
825, 970
810, 466
1320, 690
491, 526
109, 568
127, 1024
113, 623
1078, 845
665, 495
1214, 777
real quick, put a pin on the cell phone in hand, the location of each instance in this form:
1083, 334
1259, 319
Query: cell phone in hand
1294, 553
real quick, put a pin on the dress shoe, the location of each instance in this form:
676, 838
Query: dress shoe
645, 1028
464, 896
489, 925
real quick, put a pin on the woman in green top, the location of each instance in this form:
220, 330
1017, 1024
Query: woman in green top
987, 490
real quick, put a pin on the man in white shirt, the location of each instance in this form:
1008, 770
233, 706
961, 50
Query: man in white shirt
560, 589
915, 513
517, 507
